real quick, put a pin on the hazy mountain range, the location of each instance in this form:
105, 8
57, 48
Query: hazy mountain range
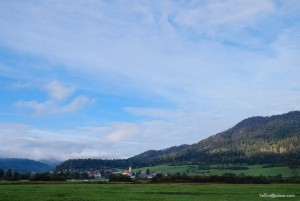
24, 165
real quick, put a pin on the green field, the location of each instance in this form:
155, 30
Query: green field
254, 170
145, 192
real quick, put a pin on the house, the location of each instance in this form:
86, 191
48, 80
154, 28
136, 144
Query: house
146, 175
128, 172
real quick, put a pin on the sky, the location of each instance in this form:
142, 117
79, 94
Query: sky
112, 79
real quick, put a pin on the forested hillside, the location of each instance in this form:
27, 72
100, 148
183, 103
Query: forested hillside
256, 140
260, 140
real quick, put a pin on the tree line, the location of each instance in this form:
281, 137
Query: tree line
11, 175
14, 175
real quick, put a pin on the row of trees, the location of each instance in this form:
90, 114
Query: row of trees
11, 175
74, 175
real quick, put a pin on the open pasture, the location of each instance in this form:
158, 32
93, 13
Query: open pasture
253, 170
145, 192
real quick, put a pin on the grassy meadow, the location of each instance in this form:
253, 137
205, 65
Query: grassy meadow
253, 170
144, 192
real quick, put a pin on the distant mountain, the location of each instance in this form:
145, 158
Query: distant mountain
256, 140
24, 165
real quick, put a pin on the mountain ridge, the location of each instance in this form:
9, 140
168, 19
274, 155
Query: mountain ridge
273, 135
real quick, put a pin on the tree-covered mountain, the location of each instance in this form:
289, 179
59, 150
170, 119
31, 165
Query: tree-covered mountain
256, 140
24, 165
263, 140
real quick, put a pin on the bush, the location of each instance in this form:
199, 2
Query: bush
120, 177
46, 177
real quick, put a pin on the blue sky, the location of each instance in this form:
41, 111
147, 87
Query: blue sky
111, 79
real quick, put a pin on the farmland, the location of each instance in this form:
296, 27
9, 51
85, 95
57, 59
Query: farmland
67, 191
252, 170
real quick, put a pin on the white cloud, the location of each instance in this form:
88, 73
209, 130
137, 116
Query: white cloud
154, 112
75, 104
25, 141
122, 132
58, 91
58, 103
211, 18
119, 140
114, 140
52, 107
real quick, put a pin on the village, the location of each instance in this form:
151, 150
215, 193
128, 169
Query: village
106, 173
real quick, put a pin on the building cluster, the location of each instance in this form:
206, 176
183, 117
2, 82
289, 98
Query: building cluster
94, 174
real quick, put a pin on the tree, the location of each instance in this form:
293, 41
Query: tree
40, 177
8, 175
16, 176
25, 176
120, 177
1, 174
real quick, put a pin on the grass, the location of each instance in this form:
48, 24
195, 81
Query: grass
165, 168
144, 192
254, 170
